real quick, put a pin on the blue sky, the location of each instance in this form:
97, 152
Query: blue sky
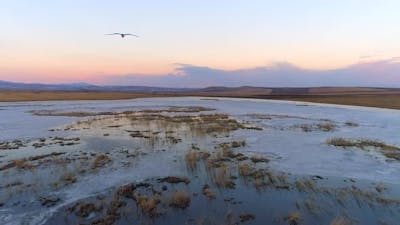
63, 41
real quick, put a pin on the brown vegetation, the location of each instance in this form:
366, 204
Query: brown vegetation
22, 164
112, 213
351, 124
11, 145
179, 199
147, 204
292, 218
174, 180
148, 111
100, 161
222, 177
208, 192
257, 159
380, 188
361, 143
390, 151
324, 127
340, 221
85, 209
305, 185
17, 96
374, 97
245, 169
49, 201
246, 217
68, 178
191, 159
372, 100
232, 144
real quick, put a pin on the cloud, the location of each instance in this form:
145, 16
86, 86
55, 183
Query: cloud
384, 73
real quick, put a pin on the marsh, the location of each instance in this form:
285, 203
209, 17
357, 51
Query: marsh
188, 160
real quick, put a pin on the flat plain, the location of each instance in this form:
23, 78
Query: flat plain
371, 97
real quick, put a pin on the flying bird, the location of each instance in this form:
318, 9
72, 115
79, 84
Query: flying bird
123, 34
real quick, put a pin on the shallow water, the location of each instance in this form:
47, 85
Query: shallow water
290, 149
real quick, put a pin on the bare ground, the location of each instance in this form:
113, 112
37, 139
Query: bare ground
381, 99
20, 96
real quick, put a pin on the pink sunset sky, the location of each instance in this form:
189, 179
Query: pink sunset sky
202, 43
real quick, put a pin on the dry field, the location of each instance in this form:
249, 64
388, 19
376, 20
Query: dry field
379, 99
18, 96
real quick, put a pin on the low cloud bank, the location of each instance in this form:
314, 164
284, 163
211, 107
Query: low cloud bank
384, 73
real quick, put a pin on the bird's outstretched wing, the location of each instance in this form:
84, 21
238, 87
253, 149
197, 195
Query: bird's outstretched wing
114, 34
132, 35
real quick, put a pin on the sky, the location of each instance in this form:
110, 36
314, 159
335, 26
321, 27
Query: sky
190, 43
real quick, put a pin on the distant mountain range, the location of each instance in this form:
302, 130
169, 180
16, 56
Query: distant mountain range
14, 86
208, 91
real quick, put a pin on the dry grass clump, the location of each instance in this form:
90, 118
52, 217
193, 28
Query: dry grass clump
191, 159
257, 176
312, 206
85, 209
68, 178
351, 124
271, 176
38, 157
207, 123
341, 142
173, 140
245, 169
237, 144
257, 159
306, 127
174, 180
16, 144
326, 127
39, 145
126, 190
390, 151
112, 213
222, 177
179, 199
147, 204
49, 201
232, 144
208, 192
227, 152
217, 159
369, 197
218, 166
100, 161
292, 218
379, 188
246, 217
305, 185
340, 221
137, 134
205, 155
22, 164
361, 143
